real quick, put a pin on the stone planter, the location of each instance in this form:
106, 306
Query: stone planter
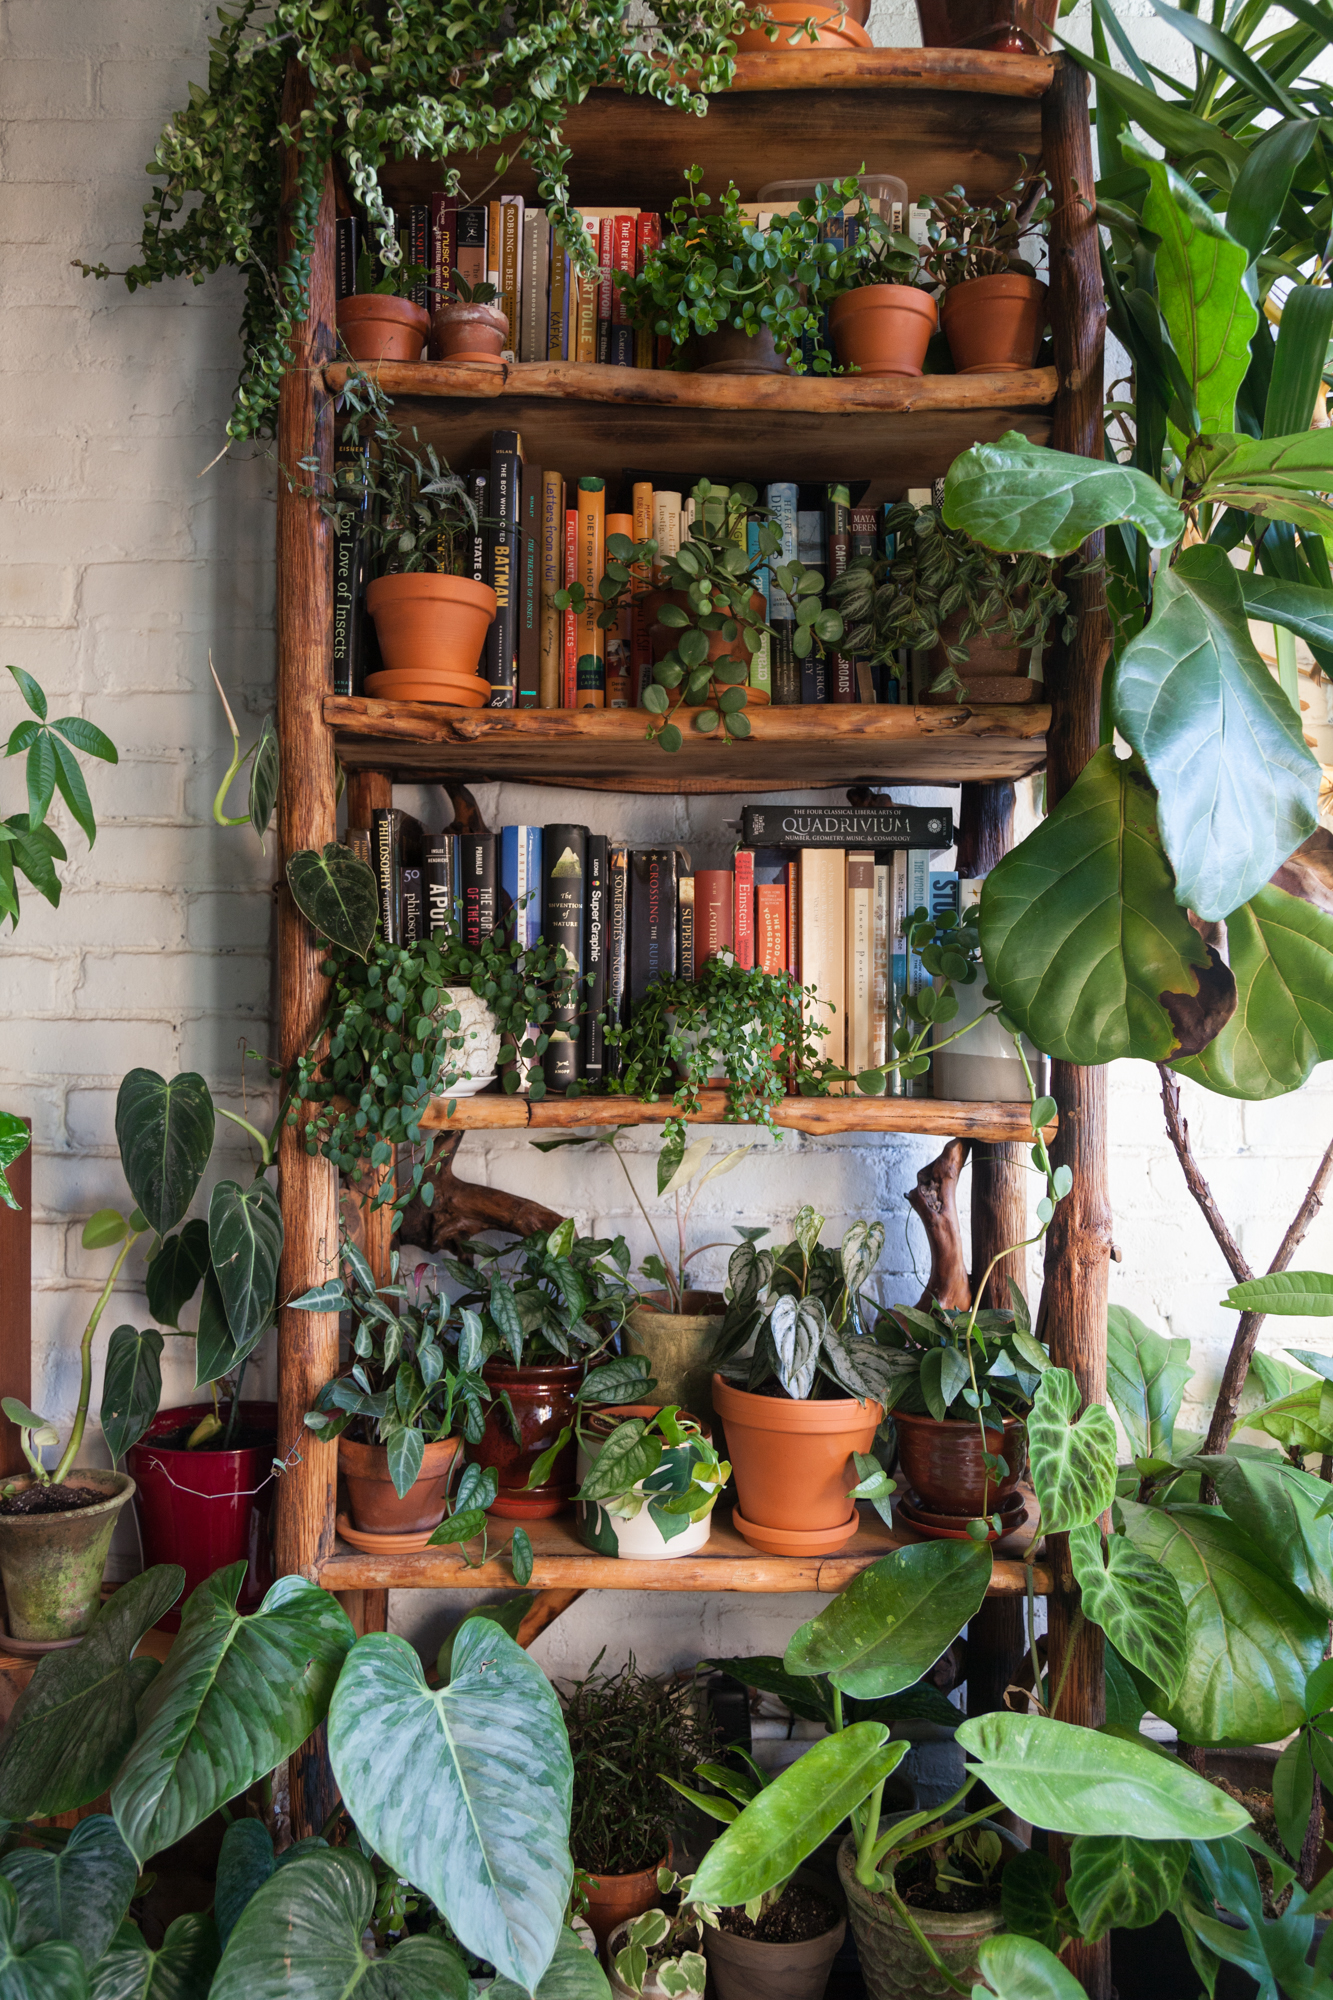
463, 1071
892, 1963
52, 1564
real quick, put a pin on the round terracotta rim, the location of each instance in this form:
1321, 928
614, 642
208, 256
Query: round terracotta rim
881, 298
1015, 284
358, 306
430, 584
393, 684
125, 1490
531, 1371
638, 1875
363, 1460
377, 1543
849, 35
767, 1413
796, 1541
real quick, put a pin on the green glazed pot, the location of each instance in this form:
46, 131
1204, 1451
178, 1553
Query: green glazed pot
52, 1564
680, 1348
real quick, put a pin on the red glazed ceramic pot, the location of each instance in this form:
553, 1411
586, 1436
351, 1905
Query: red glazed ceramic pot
542, 1397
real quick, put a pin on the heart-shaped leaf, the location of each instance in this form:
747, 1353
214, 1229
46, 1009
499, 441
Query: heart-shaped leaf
573, 1974
890, 1624
861, 1250
131, 1386
1018, 1968
245, 1242
464, 1789
1117, 1882
46, 1972
1017, 495
337, 893
236, 1696
406, 1451
1027, 1898
299, 1938
1136, 1602
1081, 933
1072, 1457
264, 773
1277, 1506
78, 1896
245, 1863
181, 1970
72, 1725
165, 1134
172, 1277
797, 1327
15, 1138
625, 1458
1145, 1379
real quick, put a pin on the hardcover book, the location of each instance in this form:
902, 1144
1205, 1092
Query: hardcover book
838, 550
564, 876
823, 947
714, 916
476, 853
594, 961
617, 946
504, 501
742, 907
860, 959
529, 585
653, 917
438, 869
520, 902
685, 927
384, 859
846, 826
552, 564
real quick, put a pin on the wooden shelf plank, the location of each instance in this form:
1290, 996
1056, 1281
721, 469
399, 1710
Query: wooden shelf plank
941, 1118
560, 1561
606, 750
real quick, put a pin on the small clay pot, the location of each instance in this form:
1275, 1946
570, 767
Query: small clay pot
377, 1508
614, 1900
463, 333
375, 327
679, 1345
883, 329
835, 28
431, 624
52, 1564
943, 1465
739, 1968
994, 325
1007, 27
542, 1397
731, 352
793, 1467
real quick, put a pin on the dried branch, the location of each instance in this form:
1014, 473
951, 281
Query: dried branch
1179, 1133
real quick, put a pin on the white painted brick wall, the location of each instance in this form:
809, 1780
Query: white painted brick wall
120, 568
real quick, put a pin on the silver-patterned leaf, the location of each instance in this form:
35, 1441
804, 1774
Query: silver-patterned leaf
1073, 1458
1136, 1602
797, 1327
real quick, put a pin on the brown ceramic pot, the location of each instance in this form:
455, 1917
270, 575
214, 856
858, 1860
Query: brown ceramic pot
427, 623
374, 327
465, 332
835, 28
793, 1466
740, 1968
373, 1498
1008, 27
542, 1397
883, 329
731, 352
994, 325
617, 1899
943, 1465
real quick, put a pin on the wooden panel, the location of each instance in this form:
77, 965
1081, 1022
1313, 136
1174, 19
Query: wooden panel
936, 1118
606, 750
16, 1303
560, 1562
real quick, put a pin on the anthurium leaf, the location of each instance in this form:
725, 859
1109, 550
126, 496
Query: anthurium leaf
1237, 788
52, 1971
172, 1277
78, 1896
1277, 1506
1074, 1780
245, 1243
1250, 1639
1301, 607
1118, 1882
131, 1386
1145, 1379
795, 1813
1072, 1457
1136, 1602
1305, 1294
336, 892
165, 1134
465, 1790
264, 771
1019, 1968
215, 1352
69, 1730
180, 1970
236, 1696
1015, 495
1080, 930
892, 1621
573, 1974
1027, 1896
299, 1938
1281, 953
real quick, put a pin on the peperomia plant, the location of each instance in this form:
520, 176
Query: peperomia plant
667, 1946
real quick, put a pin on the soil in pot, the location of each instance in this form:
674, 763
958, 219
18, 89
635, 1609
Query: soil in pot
52, 1559
206, 1508
66, 1499
376, 1505
542, 1397
799, 1914
679, 1345
994, 325
787, 1954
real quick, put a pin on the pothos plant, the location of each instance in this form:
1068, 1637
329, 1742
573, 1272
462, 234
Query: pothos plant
373, 86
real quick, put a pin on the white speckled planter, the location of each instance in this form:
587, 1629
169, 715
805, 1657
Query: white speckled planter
477, 1061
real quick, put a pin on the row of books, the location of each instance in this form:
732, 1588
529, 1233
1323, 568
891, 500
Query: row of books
829, 915
549, 532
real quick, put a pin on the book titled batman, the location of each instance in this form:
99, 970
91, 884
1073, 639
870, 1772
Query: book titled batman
846, 826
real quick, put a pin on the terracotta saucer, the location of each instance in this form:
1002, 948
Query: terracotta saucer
32, 1649
796, 1541
382, 1545
474, 693
953, 1527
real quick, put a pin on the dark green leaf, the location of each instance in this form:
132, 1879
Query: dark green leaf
1276, 477
336, 892
165, 1134
48, 1971
1277, 1506
73, 790
173, 1275
1300, 357
86, 736
406, 1450
1293, 1793
1262, 185
1027, 1897
1072, 1457
1074, 1780
1301, 607
41, 774
890, 1624
1145, 1379
264, 772
215, 1351
1117, 1882
1281, 954
78, 1896
181, 1970
31, 691
1017, 496
245, 1242
1136, 1602
245, 1863
131, 1386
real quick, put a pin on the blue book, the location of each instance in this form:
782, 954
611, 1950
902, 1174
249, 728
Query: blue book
520, 881
944, 892
761, 663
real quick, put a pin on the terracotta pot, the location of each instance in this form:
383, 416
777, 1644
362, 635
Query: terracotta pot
835, 28
426, 621
614, 1900
373, 1497
942, 1462
731, 352
374, 327
793, 1466
468, 333
883, 329
679, 1346
206, 1509
893, 1964
994, 325
52, 1564
542, 1397
1011, 27
740, 1968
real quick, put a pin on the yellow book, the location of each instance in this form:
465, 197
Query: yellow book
552, 621
511, 263
590, 681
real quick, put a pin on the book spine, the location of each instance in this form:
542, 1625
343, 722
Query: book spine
589, 290
558, 309
471, 245
511, 265
606, 259
793, 919
536, 240
623, 258
944, 895
443, 246
502, 635
860, 960
553, 522
520, 882
619, 641
617, 946
838, 550
865, 526
385, 861
770, 928
594, 961
413, 903
439, 886
570, 626
742, 907
823, 918
713, 913
897, 958
879, 964
477, 856
591, 673
641, 645
761, 662
478, 490
918, 898
564, 865
685, 927
784, 667
647, 237
418, 251
666, 527
653, 918
530, 585
846, 826
810, 551
348, 608
494, 238
345, 254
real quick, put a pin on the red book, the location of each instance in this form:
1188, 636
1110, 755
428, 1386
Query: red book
742, 907
606, 257
569, 678
771, 926
622, 335
793, 928
647, 236
712, 913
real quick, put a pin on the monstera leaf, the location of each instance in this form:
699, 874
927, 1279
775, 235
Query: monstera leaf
1136, 1602
51, 1971
78, 1896
181, 1970
1072, 1457
337, 893
1073, 1780
891, 1623
1280, 950
1016, 496
165, 1134
236, 1697
1082, 935
1145, 1379
70, 1728
465, 1790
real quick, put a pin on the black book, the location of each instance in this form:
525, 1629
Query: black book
438, 884
384, 859
478, 485
346, 245
652, 917
564, 879
617, 946
476, 857
504, 567
418, 250
594, 959
529, 617
784, 665
846, 826
411, 881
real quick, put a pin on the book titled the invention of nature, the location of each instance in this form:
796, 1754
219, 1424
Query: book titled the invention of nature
846, 826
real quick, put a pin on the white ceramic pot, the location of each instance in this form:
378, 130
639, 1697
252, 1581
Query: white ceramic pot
465, 1070
625, 1527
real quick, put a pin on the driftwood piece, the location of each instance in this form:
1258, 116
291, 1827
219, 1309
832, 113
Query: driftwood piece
462, 1209
935, 1200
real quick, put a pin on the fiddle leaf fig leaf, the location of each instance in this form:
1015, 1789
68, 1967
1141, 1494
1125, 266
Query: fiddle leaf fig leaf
892, 1621
1073, 1457
1117, 1882
131, 1386
1136, 1602
78, 1896
165, 1134
1306, 1294
337, 893
1281, 953
1015, 495
1276, 477
1145, 1380
180, 1970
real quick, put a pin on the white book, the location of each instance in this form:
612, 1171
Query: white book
879, 968
860, 969
666, 525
